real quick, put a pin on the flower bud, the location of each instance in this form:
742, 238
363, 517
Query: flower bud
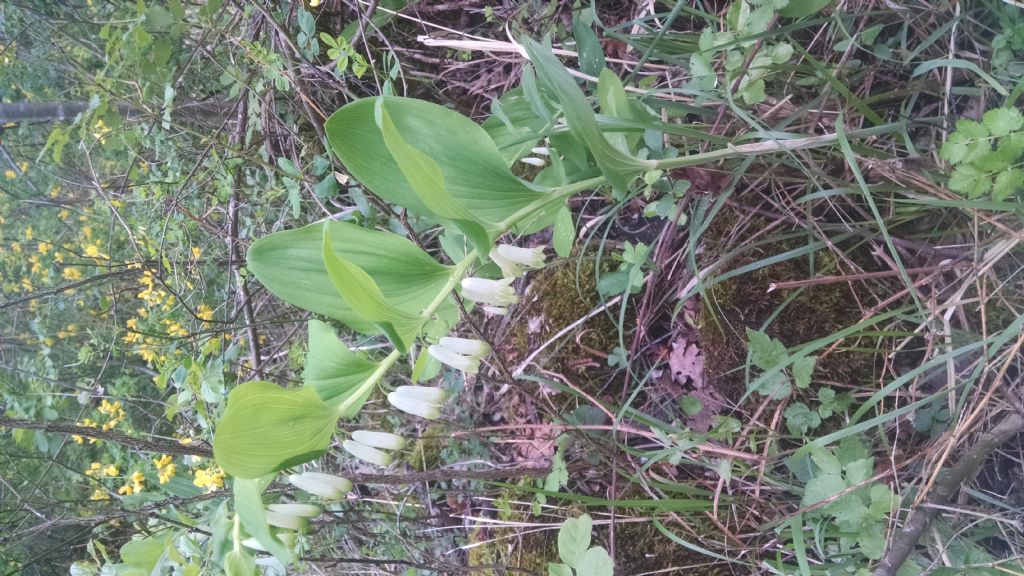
514, 260
490, 292
384, 440
296, 509
367, 453
320, 484
532, 161
541, 150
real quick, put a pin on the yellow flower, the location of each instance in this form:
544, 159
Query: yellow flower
167, 472
87, 230
23, 166
314, 3
64, 214
43, 248
94, 469
92, 251
71, 273
110, 470
204, 312
10, 174
126, 490
16, 247
100, 494
209, 478
78, 439
162, 461
28, 233
138, 480
196, 252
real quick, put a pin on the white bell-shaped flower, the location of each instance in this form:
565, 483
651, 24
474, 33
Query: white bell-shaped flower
460, 353
296, 509
383, 440
366, 453
286, 521
489, 292
422, 401
320, 484
514, 261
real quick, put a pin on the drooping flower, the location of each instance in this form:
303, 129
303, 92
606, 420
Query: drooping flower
320, 484
490, 292
460, 353
286, 521
296, 509
384, 440
422, 401
533, 161
367, 453
514, 260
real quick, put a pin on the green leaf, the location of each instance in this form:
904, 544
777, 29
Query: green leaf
361, 292
288, 167
690, 405
802, 369
267, 428
564, 232
596, 562
803, 8
765, 352
615, 164
872, 541
859, 470
249, 507
969, 142
425, 178
882, 501
821, 488
573, 540
613, 100
334, 371
1007, 183
290, 264
591, 57
800, 419
474, 172
1002, 121
826, 461
558, 569
238, 562
970, 181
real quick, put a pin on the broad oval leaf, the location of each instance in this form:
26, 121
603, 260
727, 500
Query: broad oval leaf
290, 264
427, 180
573, 540
335, 372
596, 562
267, 428
360, 291
475, 173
